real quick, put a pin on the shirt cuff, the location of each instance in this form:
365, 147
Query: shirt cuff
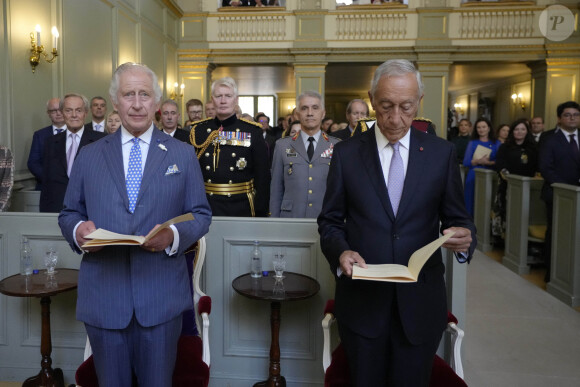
75, 233
172, 250
461, 257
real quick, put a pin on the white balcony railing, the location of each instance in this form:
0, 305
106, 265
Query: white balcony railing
251, 28
371, 26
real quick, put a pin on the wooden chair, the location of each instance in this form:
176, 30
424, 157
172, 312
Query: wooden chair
335, 363
193, 356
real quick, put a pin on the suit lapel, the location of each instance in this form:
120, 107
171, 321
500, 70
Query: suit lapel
154, 161
60, 146
321, 146
113, 156
372, 163
298, 146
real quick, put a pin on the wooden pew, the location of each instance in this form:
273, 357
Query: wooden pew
565, 274
524, 209
485, 189
25, 201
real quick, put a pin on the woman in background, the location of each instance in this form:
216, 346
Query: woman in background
292, 130
483, 138
518, 156
462, 139
502, 132
113, 122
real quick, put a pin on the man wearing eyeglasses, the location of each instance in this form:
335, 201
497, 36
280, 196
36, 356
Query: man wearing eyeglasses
40, 136
559, 162
194, 109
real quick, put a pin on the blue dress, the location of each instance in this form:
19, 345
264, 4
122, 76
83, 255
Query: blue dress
469, 188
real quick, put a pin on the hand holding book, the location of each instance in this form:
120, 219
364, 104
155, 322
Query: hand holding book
101, 237
400, 273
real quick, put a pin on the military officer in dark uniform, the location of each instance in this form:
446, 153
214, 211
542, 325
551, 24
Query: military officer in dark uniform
233, 157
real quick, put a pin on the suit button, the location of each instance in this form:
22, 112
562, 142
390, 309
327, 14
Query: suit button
207, 167
309, 165
395, 236
309, 191
231, 169
309, 204
233, 155
310, 178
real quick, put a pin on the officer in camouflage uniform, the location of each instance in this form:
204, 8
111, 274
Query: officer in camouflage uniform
233, 157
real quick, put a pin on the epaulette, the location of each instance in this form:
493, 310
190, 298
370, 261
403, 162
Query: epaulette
296, 136
197, 122
251, 122
363, 124
324, 136
422, 119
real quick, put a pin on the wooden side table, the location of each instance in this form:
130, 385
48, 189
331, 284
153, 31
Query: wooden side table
293, 287
42, 286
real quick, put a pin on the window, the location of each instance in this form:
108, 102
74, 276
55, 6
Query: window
254, 104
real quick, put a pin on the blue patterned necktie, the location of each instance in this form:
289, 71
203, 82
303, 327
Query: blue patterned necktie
396, 178
134, 174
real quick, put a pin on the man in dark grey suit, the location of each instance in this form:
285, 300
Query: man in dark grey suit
131, 298
299, 179
169, 120
391, 191
356, 110
38, 140
60, 152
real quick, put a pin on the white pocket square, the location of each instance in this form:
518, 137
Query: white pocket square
172, 170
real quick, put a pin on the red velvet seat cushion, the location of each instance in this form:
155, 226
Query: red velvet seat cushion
338, 375
190, 370
443, 376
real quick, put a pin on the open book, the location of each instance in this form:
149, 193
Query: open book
391, 272
101, 237
481, 151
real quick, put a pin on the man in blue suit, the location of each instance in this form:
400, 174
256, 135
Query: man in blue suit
131, 298
559, 162
390, 191
38, 139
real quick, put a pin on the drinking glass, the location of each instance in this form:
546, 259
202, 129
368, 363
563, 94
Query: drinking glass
50, 260
279, 265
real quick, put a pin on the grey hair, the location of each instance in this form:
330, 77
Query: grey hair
310, 93
48, 102
98, 97
170, 102
130, 66
349, 106
71, 95
396, 68
227, 82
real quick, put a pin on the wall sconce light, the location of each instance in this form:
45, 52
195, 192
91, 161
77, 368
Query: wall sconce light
459, 108
518, 100
177, 89
290, 108
37, 49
